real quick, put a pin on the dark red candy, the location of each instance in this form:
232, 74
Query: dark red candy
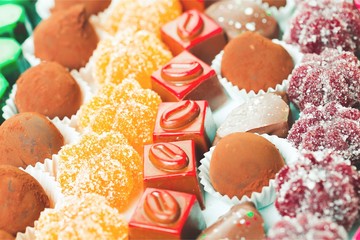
322, 184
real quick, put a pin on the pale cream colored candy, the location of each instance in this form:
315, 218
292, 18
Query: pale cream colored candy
266, 113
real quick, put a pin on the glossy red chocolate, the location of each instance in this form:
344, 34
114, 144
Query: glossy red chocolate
199, 5
164, 214
187, 77
185, 120
172, 166
195, 32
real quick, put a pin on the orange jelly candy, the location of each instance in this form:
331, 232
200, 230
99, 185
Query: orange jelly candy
134, 120
102, 164
129, 54
133, 12
87, 217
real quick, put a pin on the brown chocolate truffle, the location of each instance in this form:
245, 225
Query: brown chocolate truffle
275, 3
253, 62
266, 113
92, 7
66, 37
243, 163
236, 17
28, 138
5, 235
242, 221
57, 94
21, 199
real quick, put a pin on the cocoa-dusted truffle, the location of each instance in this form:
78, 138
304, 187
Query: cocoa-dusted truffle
66, 37
57, 92
253, 62
28, 138
236, 17
242, 221
5, 235
21, 199
243, 163
92, 7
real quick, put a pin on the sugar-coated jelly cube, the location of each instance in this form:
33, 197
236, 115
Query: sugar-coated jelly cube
164, 214
185, 120
172, 166
195, 32
187, 77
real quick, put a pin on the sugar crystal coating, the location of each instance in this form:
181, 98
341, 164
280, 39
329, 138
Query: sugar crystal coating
131, 53
329, 127
104, 164
331, 76
318, 24
81, 217
307, 227
133, 12
321, 183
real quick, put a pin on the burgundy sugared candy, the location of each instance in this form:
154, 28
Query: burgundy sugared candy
195, 32
306, 227
329, 127
331, 76
185, 120
164, 214
320, 183
325, 23
172, 166
187, 77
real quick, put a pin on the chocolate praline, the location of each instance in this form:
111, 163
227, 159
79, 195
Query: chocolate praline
28, 138
92, 7
236, 17
22, 198
66, 37
243, 163
57, 92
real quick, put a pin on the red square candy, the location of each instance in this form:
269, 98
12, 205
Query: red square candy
185, 120
195, 32
187, 77
164, 214
172, 166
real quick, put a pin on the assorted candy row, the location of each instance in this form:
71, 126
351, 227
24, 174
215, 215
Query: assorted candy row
115, 154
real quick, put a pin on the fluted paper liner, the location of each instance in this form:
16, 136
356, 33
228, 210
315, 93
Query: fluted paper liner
52, 190
240, 95
260, 199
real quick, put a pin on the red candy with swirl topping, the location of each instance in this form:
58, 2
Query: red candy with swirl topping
185, 120
163, 214
329, 127
172, 166
325, 23
195, 32
306, 227
331, 76
187, 77
321, 183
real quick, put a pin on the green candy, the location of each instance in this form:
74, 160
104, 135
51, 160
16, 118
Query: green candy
12, 62
29, 6
14, 22
4, 93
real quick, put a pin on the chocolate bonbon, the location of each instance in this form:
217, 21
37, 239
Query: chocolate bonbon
236, 17
242, 221
164, 214
186, 77
172, 166
185, 120
195, 32
92, 7
22, 199
28, 138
